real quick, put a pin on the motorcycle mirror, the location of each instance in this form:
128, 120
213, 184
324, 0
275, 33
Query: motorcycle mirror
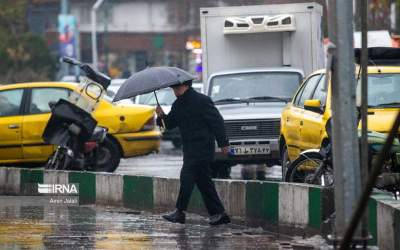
94, 91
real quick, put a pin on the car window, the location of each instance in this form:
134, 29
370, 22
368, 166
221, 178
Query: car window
41, 97
320, 92
383, 90
298, 95
10, 102
308, 90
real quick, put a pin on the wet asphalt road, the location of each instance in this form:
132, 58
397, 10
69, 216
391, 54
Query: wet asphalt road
26, 223
168, 162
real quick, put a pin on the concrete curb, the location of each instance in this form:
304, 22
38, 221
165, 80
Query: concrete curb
385, 219
275, 205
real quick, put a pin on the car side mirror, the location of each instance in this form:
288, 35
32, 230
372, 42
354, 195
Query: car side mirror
313, 105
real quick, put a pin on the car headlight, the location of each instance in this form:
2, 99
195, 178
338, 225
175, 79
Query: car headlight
149, 125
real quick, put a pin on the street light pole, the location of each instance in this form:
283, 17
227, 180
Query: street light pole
95, 7
344, 126
64, 11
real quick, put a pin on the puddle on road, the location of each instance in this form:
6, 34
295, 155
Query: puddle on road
90, 227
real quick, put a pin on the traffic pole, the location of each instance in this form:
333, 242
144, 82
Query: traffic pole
363, 6
344, 116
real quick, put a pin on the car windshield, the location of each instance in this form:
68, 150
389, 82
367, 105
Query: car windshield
165, 97
383, 90
259, 86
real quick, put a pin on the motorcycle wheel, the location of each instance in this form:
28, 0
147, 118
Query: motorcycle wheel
302, 170
108, 156
59, 160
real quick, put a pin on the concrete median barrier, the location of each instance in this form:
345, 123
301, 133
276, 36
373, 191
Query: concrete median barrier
109, 189
387, 224
284, 207
10, 180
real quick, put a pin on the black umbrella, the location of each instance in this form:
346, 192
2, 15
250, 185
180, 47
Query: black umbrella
150, 80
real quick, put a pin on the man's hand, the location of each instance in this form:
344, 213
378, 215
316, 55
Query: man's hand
225, 150
159, 111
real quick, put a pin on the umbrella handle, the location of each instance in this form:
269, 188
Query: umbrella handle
158, 104
155, 94
163, 123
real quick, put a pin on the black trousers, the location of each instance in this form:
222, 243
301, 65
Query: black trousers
198, 172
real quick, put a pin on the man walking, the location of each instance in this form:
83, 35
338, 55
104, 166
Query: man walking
200, 124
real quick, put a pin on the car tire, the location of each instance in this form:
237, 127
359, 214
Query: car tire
109, 156
285, 162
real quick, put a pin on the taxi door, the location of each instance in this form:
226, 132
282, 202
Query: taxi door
294, 121
10, 125
312, 122
37, 114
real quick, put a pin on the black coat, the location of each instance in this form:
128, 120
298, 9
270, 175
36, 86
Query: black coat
200, 124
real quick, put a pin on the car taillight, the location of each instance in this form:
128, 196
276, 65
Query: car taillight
149, 125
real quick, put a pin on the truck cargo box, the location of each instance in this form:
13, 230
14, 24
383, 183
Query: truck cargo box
262, 36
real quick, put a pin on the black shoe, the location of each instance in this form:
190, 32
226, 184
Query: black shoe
219, 219
175, 217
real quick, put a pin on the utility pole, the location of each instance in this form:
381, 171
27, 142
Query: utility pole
64, 12
344, 126
105, 37
363, 7
95, 7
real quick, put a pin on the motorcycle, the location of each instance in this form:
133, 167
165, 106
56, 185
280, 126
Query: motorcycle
81, 144
315, 166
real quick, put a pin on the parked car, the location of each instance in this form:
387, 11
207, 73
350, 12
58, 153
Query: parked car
304, 119
166, 97
113, 89
25, 111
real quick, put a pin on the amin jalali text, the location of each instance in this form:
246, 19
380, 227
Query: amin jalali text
64, 200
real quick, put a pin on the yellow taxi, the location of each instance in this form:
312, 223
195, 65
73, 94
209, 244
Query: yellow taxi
25, 111
303, 120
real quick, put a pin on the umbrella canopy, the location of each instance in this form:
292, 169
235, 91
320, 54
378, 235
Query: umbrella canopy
152, 79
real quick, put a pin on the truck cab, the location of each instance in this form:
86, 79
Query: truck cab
251, 102
254, 58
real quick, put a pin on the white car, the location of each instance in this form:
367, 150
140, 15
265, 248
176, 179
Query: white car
113, 89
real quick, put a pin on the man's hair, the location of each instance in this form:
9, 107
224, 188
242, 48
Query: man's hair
188, 83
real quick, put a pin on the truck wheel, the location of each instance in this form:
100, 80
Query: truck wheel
221, 170
108, 156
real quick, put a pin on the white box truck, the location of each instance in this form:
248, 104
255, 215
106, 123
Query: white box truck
254, 58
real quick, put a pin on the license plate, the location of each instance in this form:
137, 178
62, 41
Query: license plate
251, 150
